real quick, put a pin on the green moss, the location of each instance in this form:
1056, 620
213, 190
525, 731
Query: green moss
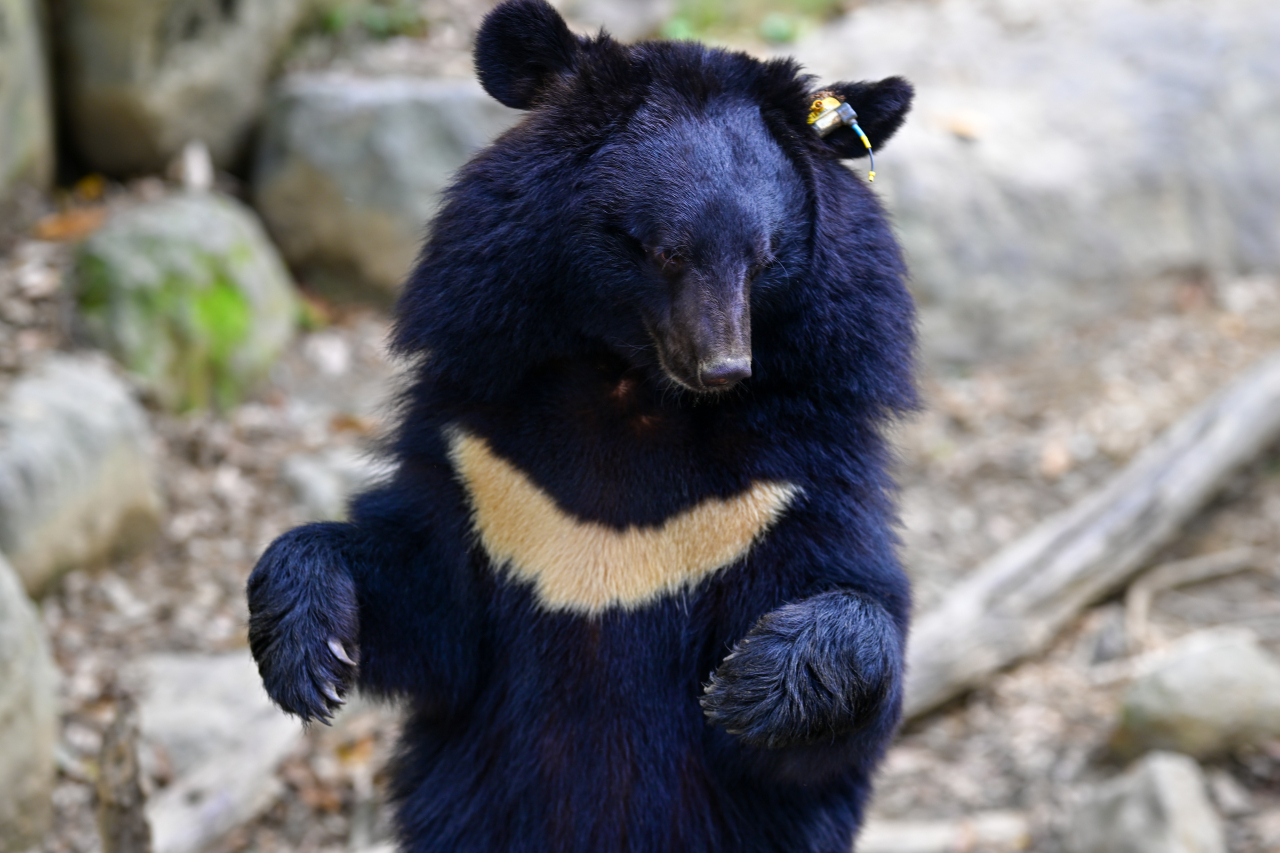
184, 335
93, 285
222, 315
222, 318
347, 20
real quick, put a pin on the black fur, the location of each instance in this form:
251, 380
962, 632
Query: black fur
582, 274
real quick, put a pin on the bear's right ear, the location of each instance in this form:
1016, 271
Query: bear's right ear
521, 48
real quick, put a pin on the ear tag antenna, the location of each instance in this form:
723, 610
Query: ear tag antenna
830, 114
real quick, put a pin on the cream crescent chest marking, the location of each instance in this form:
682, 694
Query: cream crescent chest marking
586, 567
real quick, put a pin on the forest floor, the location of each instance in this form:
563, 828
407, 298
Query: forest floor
995, 449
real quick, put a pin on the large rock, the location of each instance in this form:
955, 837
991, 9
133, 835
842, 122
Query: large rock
223, 741
1214, 692
77, 477
28, 718
1062, 154
142, 78
189, 295
350, 169
1159, 806
26, 129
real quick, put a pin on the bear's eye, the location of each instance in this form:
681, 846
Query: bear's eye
667, 261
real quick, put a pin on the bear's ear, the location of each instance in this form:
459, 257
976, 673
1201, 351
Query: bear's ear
522, 46
881, 109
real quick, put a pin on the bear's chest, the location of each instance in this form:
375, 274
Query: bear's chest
579, 565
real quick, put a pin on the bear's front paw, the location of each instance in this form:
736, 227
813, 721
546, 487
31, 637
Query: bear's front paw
303, 623
807, 672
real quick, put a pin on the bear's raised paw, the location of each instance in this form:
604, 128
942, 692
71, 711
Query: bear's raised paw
303, 624
807, 672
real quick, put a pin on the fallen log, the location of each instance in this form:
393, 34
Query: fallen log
1014, 605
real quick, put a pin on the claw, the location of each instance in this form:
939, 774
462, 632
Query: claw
331, 693
340, 651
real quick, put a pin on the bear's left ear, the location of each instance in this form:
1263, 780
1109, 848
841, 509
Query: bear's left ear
521, 48
881, 108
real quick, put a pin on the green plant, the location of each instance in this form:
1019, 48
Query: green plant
376, 19
777, 21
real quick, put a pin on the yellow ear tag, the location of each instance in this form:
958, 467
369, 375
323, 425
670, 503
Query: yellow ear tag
828, 114
821, 106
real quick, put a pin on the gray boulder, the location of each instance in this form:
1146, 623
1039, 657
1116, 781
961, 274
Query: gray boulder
1159, 806
1065, 158
142, 78
26, 129
350, 169
189, 295
1214, 692
28, 718
77, 477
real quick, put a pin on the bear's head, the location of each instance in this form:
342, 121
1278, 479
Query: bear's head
666, 206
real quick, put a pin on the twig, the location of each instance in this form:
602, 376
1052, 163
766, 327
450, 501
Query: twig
122, 821
1137, 603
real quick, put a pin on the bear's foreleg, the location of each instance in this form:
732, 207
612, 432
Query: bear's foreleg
810, 671
303, 620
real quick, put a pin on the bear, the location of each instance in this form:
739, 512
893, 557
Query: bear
634, 577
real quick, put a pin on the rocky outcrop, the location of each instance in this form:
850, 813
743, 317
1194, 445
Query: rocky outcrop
1213, 693
350, 170
28, 718
26, 130
142, 78
189, 295
77, 477
1061, 155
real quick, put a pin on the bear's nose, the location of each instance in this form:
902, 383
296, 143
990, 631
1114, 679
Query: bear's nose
724, 372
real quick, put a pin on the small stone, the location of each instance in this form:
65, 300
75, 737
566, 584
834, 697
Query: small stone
209, 716
322, 483
1159, 806
990, 832
1232, 798
77, 471
189, 295
1212, 693
28, 718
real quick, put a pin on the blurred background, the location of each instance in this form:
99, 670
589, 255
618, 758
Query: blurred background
206, 207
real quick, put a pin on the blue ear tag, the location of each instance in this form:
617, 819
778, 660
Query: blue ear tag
829, 114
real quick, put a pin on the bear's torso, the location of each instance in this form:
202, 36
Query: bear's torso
620, 548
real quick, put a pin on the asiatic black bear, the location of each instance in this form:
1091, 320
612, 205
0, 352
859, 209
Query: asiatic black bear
635, 576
